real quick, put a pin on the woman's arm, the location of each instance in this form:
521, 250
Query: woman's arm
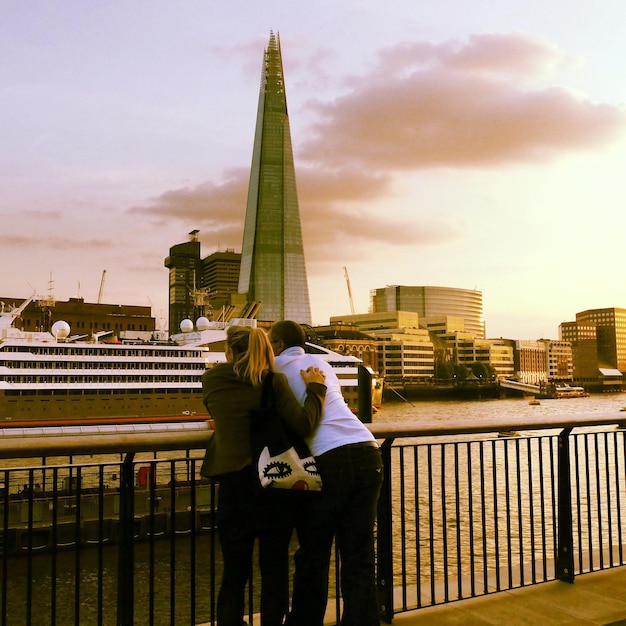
301, 419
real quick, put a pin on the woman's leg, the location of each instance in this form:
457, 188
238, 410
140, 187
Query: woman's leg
274, 566
236, 535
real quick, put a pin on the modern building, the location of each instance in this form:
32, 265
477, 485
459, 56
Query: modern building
405, 351
559, 360
405, 355
433, 302
367, 322
584, 342
186, 298
598, 338
273, 270
530, 361
496, 353
220, 277
610, 334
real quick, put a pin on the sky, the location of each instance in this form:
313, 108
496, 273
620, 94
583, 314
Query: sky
434, 144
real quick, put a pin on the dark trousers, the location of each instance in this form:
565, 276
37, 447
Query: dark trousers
346, 512
243, 514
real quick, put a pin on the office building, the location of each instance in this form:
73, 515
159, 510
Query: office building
610, 334
186, 300
220, 277
584, 342
273, 271
405, 351
598, 338
433, 302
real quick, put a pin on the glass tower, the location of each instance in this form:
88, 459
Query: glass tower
273, 271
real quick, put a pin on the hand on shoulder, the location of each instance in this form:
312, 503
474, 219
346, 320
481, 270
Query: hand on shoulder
313, 374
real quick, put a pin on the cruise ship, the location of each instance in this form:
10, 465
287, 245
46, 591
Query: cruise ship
55, 379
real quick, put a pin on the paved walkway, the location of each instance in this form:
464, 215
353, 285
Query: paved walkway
596, 598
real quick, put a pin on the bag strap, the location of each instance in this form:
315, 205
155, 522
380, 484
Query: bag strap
267, 392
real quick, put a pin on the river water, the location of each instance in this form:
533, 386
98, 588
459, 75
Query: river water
443, 410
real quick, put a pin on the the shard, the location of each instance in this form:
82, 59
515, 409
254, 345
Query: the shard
273, 270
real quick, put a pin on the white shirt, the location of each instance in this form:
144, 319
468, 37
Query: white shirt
339, 426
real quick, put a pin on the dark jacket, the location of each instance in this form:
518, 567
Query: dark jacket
229, 401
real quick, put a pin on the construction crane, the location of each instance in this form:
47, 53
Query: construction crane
104, 273
345, 271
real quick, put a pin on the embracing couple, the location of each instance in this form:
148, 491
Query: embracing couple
308, 398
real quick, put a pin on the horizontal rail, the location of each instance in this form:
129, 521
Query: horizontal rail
68, 440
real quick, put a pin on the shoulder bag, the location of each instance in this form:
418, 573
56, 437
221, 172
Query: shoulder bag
282, 458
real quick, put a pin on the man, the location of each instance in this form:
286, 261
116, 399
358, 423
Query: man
350, 465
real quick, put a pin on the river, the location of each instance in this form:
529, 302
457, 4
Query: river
496, 409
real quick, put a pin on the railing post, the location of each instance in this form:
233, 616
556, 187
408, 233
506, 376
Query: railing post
364, 408
384, 539
126, 557
565, 556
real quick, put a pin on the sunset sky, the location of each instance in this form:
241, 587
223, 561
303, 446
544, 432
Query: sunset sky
435, 144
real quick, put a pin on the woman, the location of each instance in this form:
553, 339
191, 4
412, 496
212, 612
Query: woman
231, 391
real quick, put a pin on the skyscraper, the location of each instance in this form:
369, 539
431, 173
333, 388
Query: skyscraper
185, 276
273, 270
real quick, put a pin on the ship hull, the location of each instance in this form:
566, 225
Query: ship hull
102, 407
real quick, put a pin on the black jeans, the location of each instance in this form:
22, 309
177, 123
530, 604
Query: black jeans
244, 513
352, 476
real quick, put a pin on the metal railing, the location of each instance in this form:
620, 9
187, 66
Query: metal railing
466, 509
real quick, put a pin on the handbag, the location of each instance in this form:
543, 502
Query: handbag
283, 460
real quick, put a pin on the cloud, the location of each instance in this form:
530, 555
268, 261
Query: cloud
56, 243
218, 207
458, 105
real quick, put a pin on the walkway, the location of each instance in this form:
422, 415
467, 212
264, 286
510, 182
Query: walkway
596, 598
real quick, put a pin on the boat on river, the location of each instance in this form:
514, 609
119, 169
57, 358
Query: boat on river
555, 392
52, 378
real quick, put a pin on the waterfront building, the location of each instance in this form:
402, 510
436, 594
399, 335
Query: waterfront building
85, 318
273, 271
610, 333
543, 360
584, 342
559, 360
598, 338
348, 339
432, 302
405, 354
530, 361
496, 353
405, 351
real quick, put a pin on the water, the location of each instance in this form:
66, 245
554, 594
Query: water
443, 410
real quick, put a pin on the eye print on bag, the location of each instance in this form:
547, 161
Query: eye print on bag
310, 467
277, 469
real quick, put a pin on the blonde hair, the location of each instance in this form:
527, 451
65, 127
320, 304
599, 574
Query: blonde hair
252, 353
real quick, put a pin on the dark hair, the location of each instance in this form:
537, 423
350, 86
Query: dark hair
291, 333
